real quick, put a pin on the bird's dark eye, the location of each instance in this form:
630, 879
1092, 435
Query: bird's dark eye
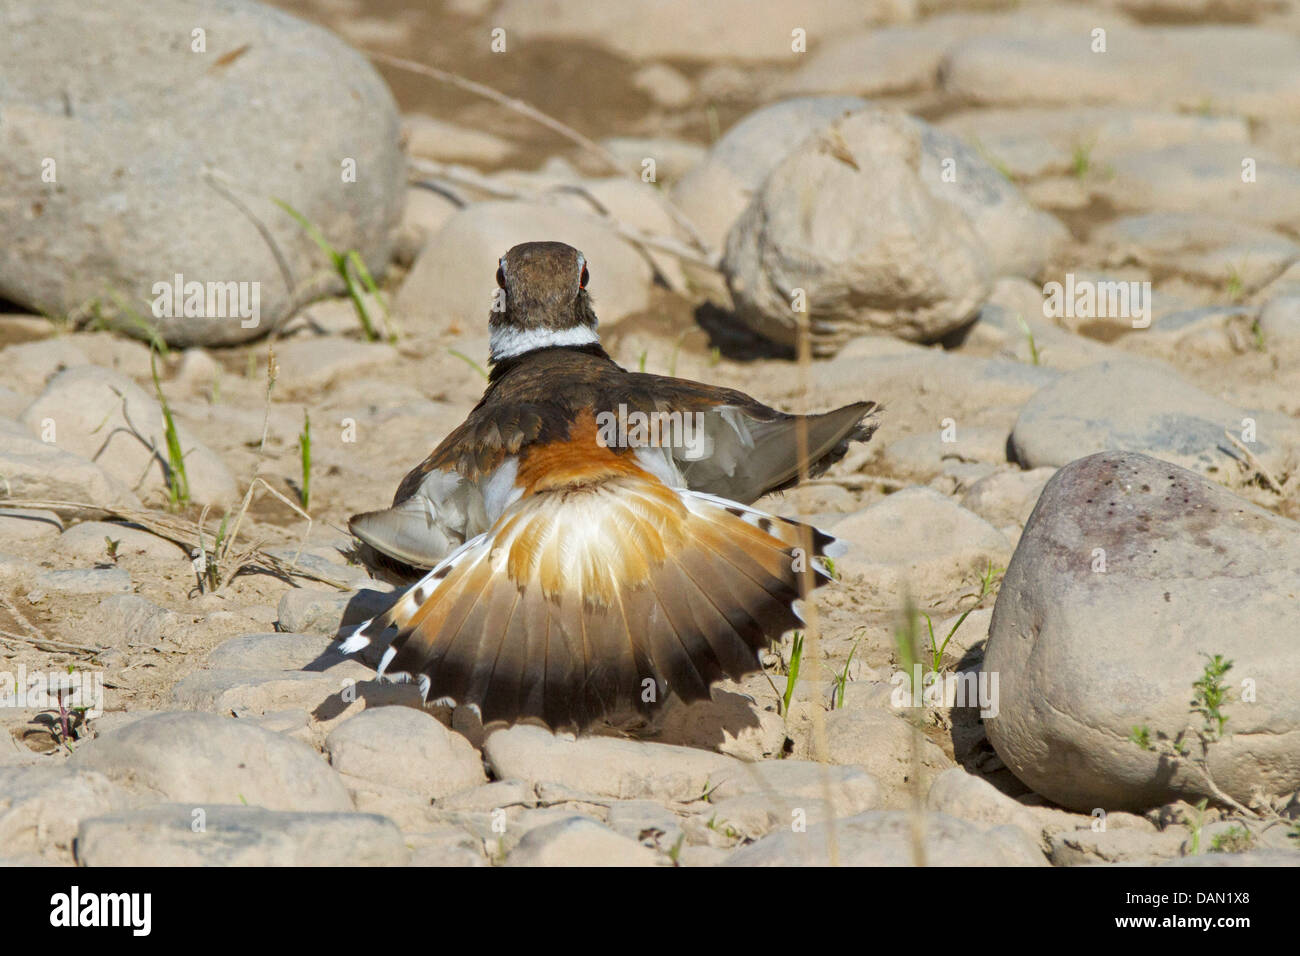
582, 279
501, 277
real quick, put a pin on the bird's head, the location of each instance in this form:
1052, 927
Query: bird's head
542, 300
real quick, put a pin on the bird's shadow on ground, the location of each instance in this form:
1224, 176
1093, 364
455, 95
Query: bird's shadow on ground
702, 724
362, 606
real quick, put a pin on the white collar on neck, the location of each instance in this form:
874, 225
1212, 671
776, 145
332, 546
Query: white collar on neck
506, 343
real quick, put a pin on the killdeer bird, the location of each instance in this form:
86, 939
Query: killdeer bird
582, 544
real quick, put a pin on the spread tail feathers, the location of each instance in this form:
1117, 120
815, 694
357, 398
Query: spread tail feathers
591, 600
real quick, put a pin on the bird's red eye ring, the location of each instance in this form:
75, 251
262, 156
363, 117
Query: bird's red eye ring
501, 277
582, 279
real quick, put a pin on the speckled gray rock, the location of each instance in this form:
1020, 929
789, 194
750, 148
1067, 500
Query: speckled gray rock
152, 177
224, 835
203, 759
884, 838
1084, 655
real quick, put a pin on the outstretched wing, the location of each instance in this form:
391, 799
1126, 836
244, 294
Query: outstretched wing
748, 449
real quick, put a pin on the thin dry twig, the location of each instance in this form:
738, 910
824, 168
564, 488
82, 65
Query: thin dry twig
52, 646
509, 102
1260, 468
272, 371
537, 116
20, 617
321, 283
808, 583
1172, 752
177, 531
857, 482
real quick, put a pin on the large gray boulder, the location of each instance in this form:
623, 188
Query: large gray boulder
159, 150
848, 219
1129, 571
716, 190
